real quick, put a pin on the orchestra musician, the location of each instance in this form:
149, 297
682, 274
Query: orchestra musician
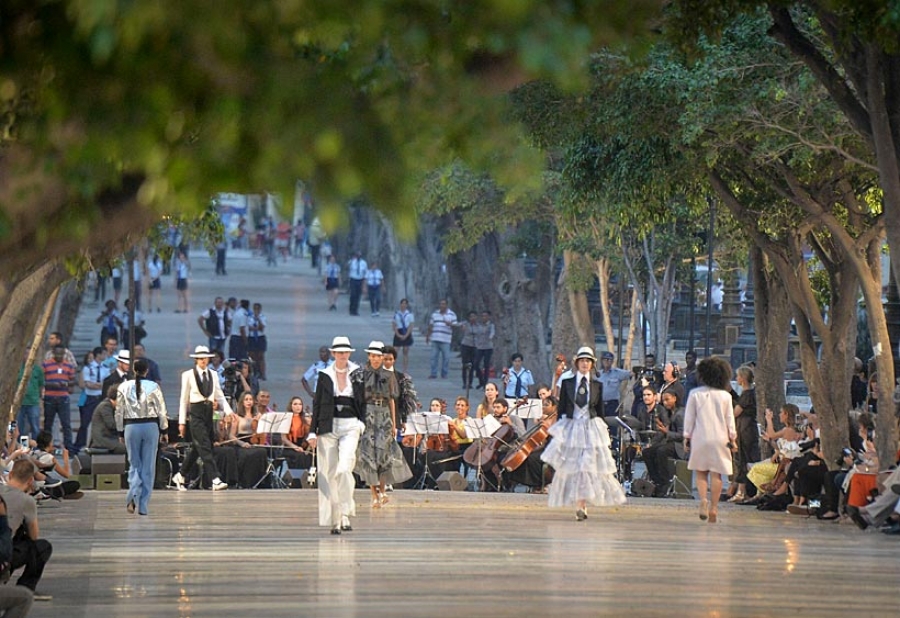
251, 460
579, 452
531, 472
491, 471
295, 446
459, 441
486, 407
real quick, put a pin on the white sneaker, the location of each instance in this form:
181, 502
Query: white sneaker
218, 485
178, 482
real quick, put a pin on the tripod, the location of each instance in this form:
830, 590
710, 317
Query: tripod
675, 483
273, 471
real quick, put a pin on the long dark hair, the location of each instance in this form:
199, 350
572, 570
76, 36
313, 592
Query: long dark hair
141, 367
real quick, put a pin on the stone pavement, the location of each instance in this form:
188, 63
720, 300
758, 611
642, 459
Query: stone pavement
293, 298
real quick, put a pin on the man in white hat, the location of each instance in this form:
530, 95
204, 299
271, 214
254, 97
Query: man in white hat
201, 395
339, 409
121, 373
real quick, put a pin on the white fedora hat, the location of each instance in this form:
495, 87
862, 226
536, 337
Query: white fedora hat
201, 351
341, 344
586, 351
124, 356
375, 347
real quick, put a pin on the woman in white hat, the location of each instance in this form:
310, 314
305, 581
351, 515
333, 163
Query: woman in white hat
379, 460
339, 407
585, 472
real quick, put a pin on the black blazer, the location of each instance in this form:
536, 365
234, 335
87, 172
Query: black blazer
323, 403
567, 398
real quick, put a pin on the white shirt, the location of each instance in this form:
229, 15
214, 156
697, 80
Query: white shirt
190, 393
153, 270
182, 269
357, 268
312, 374
93, 373
347, 392
239, 322
374, 277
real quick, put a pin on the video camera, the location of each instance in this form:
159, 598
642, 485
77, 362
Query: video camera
651, 374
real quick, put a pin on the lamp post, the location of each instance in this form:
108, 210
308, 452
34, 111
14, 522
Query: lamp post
709, 271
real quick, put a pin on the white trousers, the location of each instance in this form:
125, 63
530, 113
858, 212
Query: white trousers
336, 452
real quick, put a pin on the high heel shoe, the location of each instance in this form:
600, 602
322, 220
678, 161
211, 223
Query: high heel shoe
384, 499
704, 510
130, 507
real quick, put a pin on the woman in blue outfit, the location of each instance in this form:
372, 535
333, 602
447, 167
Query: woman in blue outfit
141, 419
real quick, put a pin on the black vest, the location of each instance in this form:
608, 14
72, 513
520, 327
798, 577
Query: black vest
212, 324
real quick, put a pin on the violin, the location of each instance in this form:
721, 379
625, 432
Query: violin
560, 367
257, 438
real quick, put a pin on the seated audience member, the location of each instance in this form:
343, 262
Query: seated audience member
46, 461
808, 472
833, 497
103, 426
29, 550
14, 600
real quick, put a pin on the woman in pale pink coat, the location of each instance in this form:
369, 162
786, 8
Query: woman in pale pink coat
709, 432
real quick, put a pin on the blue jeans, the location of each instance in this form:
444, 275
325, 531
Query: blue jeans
59, 406
141, 442
29, 421
440, 348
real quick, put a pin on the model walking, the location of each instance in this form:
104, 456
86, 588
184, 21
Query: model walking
141, 419
379, 460
709, 432
579, 451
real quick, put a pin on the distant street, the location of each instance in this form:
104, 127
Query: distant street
293, 298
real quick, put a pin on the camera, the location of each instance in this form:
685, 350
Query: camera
230, 368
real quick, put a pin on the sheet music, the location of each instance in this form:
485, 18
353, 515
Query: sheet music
274, 422
422, 423
533, 409
481, 427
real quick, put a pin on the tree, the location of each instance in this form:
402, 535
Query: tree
852, 50
783, 162
115, 114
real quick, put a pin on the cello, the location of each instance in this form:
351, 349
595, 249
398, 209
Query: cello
535, 437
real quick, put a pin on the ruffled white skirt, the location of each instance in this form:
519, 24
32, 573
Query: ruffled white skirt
584, 466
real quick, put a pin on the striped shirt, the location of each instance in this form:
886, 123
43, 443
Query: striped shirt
57, 378
442, 326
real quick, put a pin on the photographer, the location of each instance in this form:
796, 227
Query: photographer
238, 379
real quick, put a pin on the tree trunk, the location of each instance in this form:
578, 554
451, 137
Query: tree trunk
18, 301
525, 331
578, 305
772, 322
602, 268
566, 338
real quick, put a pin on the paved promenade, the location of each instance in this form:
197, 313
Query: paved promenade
260, 553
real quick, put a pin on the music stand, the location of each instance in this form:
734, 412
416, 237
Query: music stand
529, 409
480, 429
426, 424
271, 423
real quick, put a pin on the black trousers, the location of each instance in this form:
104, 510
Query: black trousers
467, 354
483, 365
202, 437
355, 295
34, 556
656, 458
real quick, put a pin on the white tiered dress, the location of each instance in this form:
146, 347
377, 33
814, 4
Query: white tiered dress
584, 466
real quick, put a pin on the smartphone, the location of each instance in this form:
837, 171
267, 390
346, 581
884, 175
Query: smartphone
12, 426
23, 441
